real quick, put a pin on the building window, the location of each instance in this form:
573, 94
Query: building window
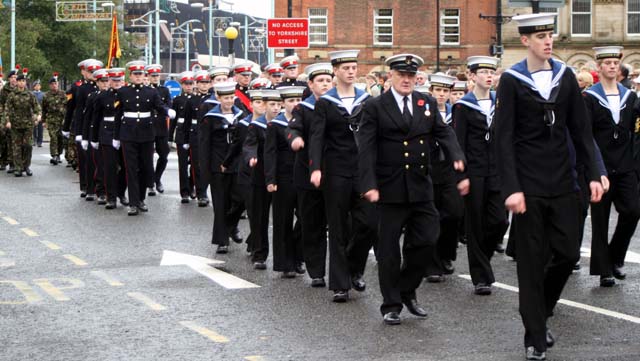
450, 27
318, 26
581, 17
552, 11
383, 27
633, 17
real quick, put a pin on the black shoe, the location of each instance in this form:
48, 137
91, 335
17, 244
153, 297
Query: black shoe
288, 274
607, 281
391, 318
29, 172
318, 282
57, 159
235, 236
90, 197
17, 173
133, 211
159, 187
576, 267
533, 354
550, 339
10, 170
358, 283
435, 278
414, 307
110, 205
52, 161
102, 200
500, 248
124, 201
185, 200
482, 289
261, 265
300, 268
143, 207
152, 192
618, 272
447, 267
192, 195
222, 249
83, 194
39, 145
340, 296
203, 202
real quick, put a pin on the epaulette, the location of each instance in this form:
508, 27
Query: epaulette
78, 83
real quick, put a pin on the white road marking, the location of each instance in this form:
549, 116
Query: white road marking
29, 232
579, 305
202, 266
10, 220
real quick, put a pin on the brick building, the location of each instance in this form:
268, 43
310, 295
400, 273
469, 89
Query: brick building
381, 28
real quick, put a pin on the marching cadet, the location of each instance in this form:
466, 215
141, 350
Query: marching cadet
6, 152
290, 68
218, 74
180, 129
134, 128
242, 74
274, 74
22, 111
216, 134
71, 154
447, 198
458, 90
102, 131
94, 173
333, 164
161, 127
485, 215
253, 155
260, 83
394, 173
613, 111
310, 200
191, 115
54, 105
538, 108
279, 159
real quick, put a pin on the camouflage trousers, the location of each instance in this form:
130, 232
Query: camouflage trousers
6, 154
22, 148
55, 138
70, 149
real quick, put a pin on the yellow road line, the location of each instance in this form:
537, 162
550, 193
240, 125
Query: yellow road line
105, 277
50, 245
211, 335
29, 232
146, 301
253, 358
75, 260
10, 220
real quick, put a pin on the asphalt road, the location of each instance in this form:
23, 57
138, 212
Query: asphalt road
78, 282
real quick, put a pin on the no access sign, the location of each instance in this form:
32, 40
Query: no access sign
288, 33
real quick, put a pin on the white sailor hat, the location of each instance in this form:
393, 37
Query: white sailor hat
406, 63
533, 23
270, 95
459, 85
219, 70
93, 65
259, 83
83, 63
243, 68
116, 73
202, 76
226, 88
289, 62
424, 89
608, 52
287, 92
186, 76
274, 69
100, 73
318, 69
441, 80
482, 62
136, 66
343, 56
153, 69
255, 94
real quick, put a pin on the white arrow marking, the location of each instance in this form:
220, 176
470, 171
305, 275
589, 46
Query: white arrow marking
632, 257
202, 266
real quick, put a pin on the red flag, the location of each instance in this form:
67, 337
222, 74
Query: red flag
114, 44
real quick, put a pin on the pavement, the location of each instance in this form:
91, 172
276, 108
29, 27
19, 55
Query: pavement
78, 282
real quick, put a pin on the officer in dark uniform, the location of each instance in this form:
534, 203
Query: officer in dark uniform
310, 200
95, 180
394, 172
192, 115
274, 74
71, 153
242, 74
290, 70
177, 133
161, 127
134, 128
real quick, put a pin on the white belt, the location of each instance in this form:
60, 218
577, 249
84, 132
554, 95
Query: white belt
137, 114
194, 121
180, 120
109, 119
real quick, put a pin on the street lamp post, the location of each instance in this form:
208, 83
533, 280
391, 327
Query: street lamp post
149, 24
183, 27
231, 33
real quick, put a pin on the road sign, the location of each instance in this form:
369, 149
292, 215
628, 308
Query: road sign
174, 88
541, 3
288, 33
82, 11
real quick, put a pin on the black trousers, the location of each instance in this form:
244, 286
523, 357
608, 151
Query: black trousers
38, 133
352, 230
450, 206
259, 222
401, 273
115, 180
287, 235
162, 148
486, 222
314, 231
623, 193
236, 205
546, 237
186, 186
246, 191
196, 176
224, 220
82, 158
95, 184
138, 159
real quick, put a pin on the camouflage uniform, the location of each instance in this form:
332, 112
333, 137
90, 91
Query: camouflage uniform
54, 105
6, 155
21, 109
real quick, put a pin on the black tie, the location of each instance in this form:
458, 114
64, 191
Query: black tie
406, 113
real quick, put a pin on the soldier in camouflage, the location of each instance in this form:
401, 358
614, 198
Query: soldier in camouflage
6, 155
54, 105
22, 112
